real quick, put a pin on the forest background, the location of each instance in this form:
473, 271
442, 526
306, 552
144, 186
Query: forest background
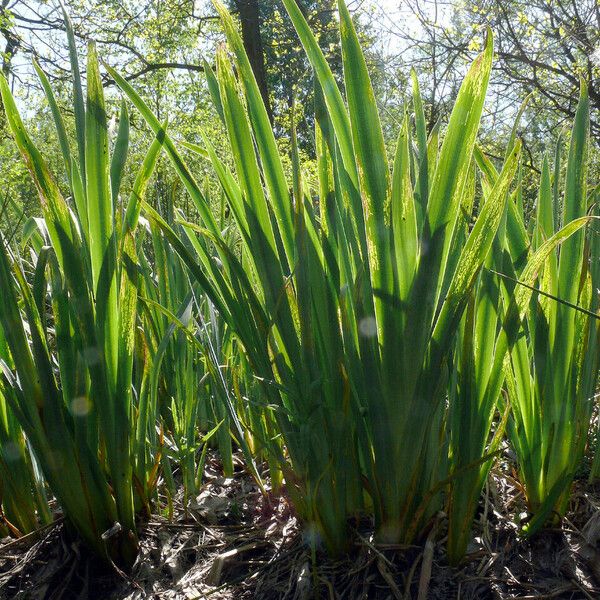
543, 48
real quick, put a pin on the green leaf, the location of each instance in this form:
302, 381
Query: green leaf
272, 167
119, 157
474, 254
372, 165
78, 97
58, 120
99, 202
423, 168
54, 206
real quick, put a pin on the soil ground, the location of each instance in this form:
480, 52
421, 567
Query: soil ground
234, 543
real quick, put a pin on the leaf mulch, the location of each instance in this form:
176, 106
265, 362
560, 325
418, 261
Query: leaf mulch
234, 543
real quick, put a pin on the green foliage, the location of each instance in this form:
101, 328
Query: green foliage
22, 493
553, 370
79, 420
367, 324
353, 313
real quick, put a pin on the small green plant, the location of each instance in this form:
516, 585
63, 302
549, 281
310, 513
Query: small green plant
183, 337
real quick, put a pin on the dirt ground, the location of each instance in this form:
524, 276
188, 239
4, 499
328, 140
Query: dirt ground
233, 543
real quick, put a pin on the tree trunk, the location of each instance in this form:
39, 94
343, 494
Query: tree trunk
249, 14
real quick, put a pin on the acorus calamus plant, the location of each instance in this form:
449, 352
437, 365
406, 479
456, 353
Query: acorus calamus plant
388, 332
348, 312
553, 372
79, 419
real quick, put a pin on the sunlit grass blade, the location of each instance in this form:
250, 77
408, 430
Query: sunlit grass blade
423, 158
78, 97
119, 156
272, 166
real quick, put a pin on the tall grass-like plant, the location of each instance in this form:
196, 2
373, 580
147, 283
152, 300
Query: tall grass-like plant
22, 488
79, 418
350, 313
181, 383
380, 322
594, 244
495, 324
472, 406
553, 371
